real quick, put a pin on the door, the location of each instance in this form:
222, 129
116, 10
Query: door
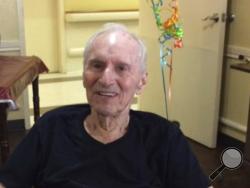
197, 68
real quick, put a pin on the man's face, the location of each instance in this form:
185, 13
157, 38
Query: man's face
113, 73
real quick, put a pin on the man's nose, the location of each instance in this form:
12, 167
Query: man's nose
108, 77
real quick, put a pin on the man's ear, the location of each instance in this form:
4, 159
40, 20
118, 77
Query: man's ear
142, 83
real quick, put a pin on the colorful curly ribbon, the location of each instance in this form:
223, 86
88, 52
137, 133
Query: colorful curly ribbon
170, 30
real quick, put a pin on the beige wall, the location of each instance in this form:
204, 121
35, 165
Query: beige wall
98, 5
235, 101
40, 22
78, 20
236, 90
152, 98
240, 29
44, 28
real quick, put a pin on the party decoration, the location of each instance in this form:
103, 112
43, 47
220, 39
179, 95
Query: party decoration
170, 38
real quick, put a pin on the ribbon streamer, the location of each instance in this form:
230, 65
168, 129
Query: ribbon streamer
171, 30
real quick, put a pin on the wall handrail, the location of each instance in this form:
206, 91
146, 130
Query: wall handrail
101, 16
239, 53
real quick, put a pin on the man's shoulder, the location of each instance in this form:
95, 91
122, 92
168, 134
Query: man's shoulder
149, 117
68, 110
61, 118
152, 121
64, 114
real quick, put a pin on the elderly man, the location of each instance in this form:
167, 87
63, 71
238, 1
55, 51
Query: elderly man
104, 144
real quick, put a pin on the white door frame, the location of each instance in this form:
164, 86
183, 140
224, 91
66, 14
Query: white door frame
25, 94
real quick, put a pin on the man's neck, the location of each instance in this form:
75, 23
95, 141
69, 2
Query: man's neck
106, 129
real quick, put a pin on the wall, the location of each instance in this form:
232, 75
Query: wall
8, 21
43, 30
40, 22
236, 90
149, 33
240, 28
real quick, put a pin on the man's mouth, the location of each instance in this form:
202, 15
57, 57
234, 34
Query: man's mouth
107, 94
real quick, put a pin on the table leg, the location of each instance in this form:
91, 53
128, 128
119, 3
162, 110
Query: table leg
4, 143
36, 104
247, 145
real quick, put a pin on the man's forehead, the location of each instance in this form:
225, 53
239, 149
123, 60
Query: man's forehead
112, 39
115, 37
110, 44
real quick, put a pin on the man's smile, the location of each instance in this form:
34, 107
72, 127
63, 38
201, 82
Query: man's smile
107, 94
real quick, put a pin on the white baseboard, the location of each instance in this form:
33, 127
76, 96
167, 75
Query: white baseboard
233, 125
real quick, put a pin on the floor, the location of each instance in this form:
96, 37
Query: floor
209, 160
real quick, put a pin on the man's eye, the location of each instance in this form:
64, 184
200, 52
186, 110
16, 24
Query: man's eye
97, 65
122, 68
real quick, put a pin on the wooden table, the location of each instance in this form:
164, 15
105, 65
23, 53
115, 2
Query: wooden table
245, 67
16, 73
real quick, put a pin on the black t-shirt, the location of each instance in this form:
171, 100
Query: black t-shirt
58, 152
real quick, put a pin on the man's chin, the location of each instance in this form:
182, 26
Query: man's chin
107, 111
104, 110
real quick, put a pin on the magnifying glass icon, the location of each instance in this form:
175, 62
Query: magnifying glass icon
231, 158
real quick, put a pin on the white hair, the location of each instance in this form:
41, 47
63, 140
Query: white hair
115, 27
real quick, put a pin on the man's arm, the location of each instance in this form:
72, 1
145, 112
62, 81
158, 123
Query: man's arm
184, 168
20, 168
